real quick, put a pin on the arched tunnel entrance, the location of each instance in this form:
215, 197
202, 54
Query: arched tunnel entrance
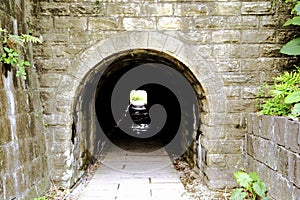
102, 114
172, 102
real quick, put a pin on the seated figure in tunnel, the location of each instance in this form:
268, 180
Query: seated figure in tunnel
138, 107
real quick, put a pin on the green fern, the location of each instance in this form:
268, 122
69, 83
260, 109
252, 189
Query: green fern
273, 97
30, 39
11, 53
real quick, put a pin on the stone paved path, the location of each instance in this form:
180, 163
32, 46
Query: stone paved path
135, 172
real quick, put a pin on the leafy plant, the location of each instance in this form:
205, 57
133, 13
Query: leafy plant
293, 46
282, 98
294, 98
11, 52
252, 187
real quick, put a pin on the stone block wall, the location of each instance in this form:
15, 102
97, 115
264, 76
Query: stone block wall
23, 154
272, 149
239, 39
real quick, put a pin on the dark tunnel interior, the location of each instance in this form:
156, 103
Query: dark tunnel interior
163, 104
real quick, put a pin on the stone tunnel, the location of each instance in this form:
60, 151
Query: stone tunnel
95, 95
200, 62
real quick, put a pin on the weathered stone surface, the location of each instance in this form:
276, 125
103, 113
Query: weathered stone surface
220, 107
80, 37
283, 162
95, 23
172, 23
228, 66
219, 178
50, 80
199, 37
269, 21
276, 156
55, 38
73, 23
220, 119
233, 91
267, 125
297, 171
234, 106
164, 9
229, 47
240, 78
296, 193
6, 131
291, 136
3, 162
210, 22
291, 166
249, 92
226, 8
216, 160
139, 40
279, 130
222, 146
257, 8
159, 42
54, 9
192, 9
243, 22
90, 9
129, 9
20, 103
226, 36
236, 160
131, 24
249, 123
213, 132
57, 119
255, 36
48, 22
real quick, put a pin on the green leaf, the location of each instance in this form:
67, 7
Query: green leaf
29, 38
297, 8
3, 56
243, 179
292, 98
15, 53
294, 21
254, 176
238, 194
260, 188
8, 50
296, 109
26, 63
292, 47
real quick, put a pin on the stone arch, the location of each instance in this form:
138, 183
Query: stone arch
204, 71
199, 72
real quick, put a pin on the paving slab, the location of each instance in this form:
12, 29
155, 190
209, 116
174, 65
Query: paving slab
130, 173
